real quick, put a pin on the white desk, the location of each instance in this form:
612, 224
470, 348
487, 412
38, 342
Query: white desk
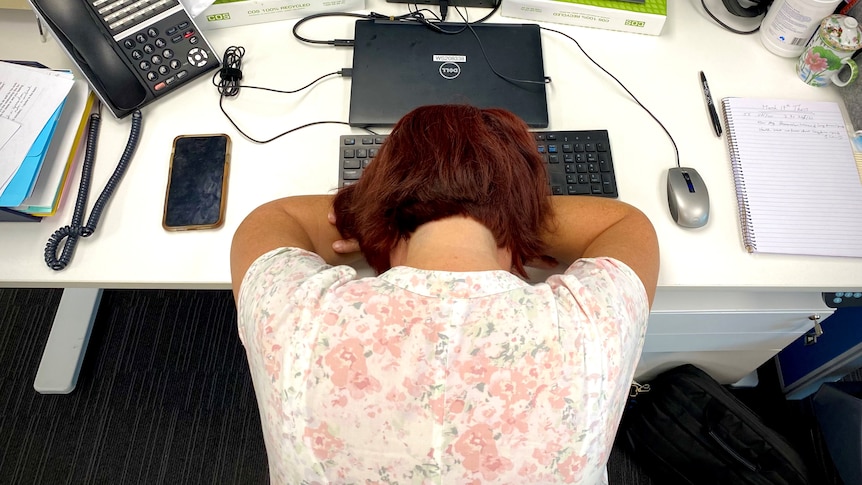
716, 304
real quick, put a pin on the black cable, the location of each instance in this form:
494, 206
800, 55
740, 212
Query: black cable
467, 24
727, 27
336, 42
73, 231
228, 86
415, 15
493, 10
675, 148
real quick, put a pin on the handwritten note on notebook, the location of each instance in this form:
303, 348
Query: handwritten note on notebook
797, 185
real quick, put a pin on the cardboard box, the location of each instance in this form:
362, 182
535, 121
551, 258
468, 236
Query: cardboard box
642, 18
230, 13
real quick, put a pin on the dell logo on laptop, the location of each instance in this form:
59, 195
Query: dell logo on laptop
450, 70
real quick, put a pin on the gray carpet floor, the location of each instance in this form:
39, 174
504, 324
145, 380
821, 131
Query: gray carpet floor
164, 396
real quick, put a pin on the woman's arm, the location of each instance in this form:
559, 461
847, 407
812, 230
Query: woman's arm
298, 222
588, 227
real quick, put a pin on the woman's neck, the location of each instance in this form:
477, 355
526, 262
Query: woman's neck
455, 243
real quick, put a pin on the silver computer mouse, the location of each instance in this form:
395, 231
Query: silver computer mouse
687, 197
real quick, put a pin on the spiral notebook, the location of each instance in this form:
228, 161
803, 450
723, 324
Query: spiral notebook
797, 185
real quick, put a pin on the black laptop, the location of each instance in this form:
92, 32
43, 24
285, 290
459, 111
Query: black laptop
398, 66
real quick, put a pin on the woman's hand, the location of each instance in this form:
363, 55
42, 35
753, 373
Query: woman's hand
343, 246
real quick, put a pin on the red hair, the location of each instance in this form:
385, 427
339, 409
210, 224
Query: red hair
442, 161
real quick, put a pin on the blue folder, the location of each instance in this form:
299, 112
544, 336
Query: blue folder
25, 178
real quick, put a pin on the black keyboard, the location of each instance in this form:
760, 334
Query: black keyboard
578, 162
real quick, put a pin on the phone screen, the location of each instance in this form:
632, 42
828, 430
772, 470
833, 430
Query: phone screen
197, 183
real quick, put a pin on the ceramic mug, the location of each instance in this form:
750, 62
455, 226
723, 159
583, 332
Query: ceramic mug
829, 52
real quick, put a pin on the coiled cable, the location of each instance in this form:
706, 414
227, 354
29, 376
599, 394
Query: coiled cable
75, 230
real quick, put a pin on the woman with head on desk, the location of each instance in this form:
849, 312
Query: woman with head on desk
446, 367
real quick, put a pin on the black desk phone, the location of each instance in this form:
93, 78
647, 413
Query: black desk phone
131, 51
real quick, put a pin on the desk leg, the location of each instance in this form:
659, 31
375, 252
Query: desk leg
67, 343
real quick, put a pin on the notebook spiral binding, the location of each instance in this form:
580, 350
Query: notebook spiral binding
748, 238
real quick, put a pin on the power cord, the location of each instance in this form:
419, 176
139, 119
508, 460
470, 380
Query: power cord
75, 230
467, 24
414, 15
673, 142
228, 85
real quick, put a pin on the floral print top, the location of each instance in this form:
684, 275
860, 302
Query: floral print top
433, 377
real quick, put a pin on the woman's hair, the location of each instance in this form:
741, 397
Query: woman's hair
442, 161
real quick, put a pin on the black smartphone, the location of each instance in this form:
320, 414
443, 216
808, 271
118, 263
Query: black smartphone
197, 182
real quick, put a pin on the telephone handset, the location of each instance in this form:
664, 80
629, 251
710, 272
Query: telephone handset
131, 52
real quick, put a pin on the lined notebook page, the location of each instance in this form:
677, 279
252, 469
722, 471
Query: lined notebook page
796, 180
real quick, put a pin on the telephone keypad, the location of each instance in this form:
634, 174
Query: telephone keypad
162, 69
158, 61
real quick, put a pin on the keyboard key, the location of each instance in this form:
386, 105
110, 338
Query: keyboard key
351, 174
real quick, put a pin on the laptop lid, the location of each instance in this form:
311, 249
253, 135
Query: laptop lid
398, 66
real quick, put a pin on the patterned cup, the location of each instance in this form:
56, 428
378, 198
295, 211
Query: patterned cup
829, 51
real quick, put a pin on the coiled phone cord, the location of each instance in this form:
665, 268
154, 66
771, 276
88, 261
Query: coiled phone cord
73, 231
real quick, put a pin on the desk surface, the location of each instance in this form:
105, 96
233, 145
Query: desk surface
130, 248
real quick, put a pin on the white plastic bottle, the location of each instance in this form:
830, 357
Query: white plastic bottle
789, 24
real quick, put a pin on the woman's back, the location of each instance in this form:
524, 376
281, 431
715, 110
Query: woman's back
422, 376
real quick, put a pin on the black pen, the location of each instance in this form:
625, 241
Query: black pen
713, 115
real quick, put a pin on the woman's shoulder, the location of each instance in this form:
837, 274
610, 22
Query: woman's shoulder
293, 267
602, 278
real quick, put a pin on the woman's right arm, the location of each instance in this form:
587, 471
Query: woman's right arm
589, 227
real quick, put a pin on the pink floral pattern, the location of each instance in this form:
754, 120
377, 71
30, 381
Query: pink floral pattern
421, 377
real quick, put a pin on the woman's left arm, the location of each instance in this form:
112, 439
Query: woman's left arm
297, 222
